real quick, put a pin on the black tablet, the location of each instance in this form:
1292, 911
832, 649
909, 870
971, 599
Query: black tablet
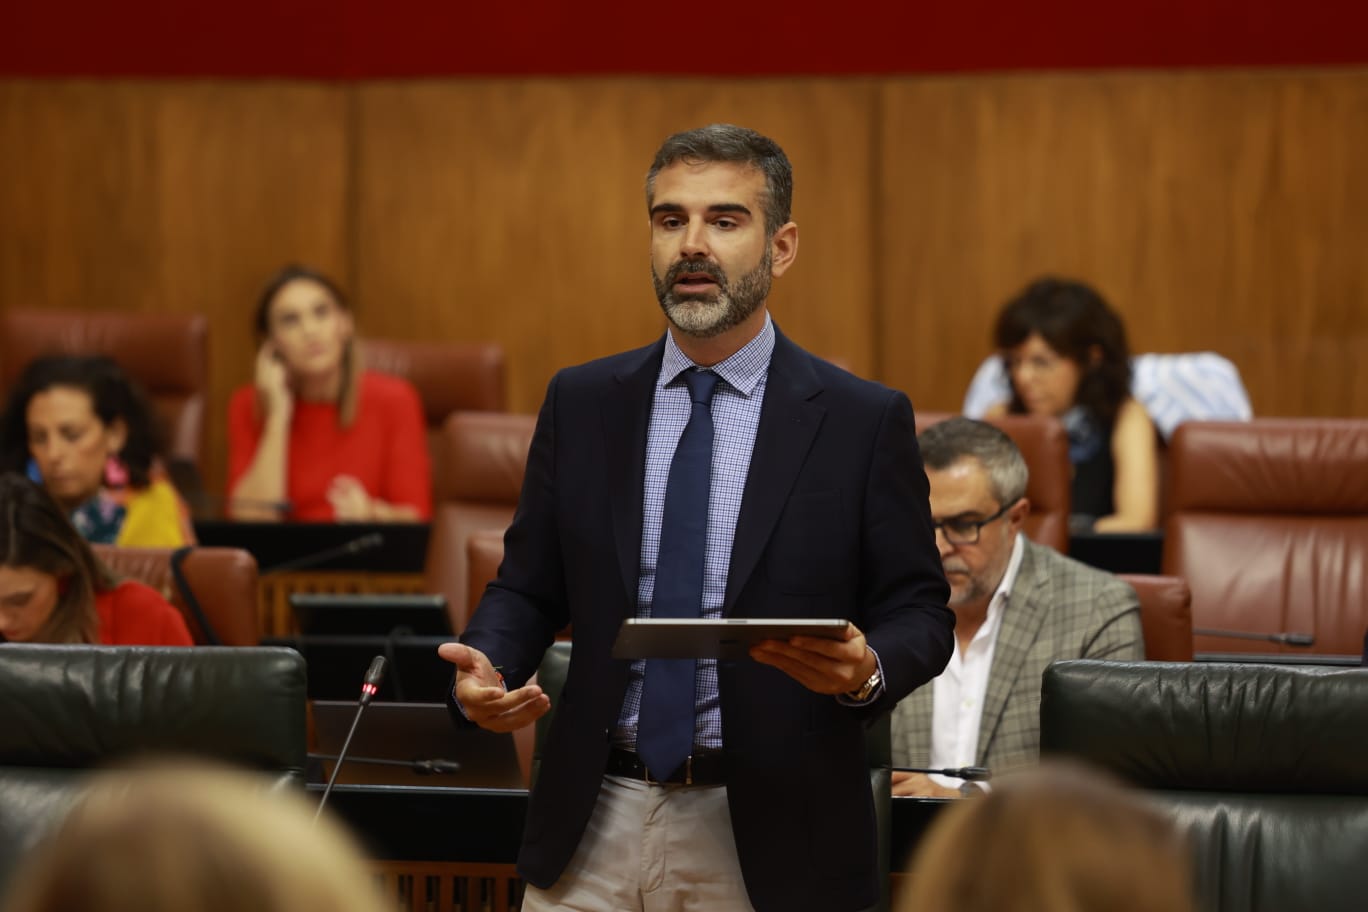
713, 638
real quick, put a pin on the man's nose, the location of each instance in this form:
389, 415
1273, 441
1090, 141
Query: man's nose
943, 544
695, 242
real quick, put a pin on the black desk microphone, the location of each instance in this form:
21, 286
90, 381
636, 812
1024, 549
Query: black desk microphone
374, 675
426, 767
967, 773
367, 542
1285, 639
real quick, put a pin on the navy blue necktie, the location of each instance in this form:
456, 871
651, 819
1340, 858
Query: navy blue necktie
666, 727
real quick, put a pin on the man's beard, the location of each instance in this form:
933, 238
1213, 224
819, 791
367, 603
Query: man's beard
705, 315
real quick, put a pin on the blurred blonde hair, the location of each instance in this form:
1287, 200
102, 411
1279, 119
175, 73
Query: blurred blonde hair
1060, 838
173, 838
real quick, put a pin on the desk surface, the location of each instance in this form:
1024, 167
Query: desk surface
1119, 552
278, 547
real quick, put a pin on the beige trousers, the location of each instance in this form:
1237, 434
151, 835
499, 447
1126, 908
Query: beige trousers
651, 848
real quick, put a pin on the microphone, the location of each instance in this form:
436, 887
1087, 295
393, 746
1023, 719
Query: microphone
1285, 639
967, 773
369, 687
367, 542
433, 766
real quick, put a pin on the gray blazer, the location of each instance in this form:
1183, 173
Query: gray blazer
1059, 609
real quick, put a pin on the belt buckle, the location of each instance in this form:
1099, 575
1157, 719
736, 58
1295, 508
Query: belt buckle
688, 773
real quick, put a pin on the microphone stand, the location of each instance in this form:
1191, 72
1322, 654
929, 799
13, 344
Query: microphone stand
374, 675
1285, 639
967, 773
433, 766
362, 543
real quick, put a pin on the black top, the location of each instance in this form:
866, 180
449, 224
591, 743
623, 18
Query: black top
1094, 473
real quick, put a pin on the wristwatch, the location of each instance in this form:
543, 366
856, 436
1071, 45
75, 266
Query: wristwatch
867, 688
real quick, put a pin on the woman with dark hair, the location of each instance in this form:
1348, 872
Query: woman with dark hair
54, 590
78, 425
316, 438
1065, 352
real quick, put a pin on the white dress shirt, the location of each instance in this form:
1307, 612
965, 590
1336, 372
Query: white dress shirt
959, 691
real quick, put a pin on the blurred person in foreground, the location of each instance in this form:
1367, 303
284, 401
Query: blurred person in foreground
179, 838
78, 425
53, 589
1060, 838
1018, 607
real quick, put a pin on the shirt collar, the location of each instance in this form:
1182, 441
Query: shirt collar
1003, 595
742, 371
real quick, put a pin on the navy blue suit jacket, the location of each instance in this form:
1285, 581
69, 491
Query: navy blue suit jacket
834, 522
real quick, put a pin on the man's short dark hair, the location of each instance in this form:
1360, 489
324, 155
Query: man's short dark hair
946, 443
738, 145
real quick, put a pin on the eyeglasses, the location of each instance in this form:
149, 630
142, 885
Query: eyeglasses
959, 531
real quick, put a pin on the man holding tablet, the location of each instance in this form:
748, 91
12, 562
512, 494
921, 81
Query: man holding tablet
720, 472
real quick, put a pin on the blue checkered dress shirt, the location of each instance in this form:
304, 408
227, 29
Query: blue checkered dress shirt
736, 416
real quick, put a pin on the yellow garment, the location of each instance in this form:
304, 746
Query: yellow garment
156, 518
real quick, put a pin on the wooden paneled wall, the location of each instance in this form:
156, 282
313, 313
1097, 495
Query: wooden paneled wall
1222, 210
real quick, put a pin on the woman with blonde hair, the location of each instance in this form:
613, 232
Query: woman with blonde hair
1057, 839
315, 438
169, 839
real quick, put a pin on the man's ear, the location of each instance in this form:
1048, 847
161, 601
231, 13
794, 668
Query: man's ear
783, 249
1016, 516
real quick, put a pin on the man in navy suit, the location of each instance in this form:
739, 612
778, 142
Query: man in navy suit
814, 505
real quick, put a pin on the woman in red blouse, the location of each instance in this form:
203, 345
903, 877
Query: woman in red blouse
54, 590
315, 438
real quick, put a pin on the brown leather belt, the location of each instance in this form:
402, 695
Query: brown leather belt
699, 769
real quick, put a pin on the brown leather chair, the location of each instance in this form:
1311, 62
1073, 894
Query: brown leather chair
167, 354
1165, 615
479, 466
223, 580
449, 376
484, 553
1268, 522
1045, 447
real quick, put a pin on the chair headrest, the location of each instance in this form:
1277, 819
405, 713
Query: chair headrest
77, 706
1224, 727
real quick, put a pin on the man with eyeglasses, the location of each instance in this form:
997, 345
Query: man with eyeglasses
1018, 607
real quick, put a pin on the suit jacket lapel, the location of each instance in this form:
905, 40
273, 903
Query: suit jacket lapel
626, 412
1021, 621
788, 425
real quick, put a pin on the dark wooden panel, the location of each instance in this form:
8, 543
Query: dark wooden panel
178, 197
1218, 211
514, 211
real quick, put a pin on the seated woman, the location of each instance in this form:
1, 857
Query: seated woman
316, 438
81, 427
1065, 352
54, 590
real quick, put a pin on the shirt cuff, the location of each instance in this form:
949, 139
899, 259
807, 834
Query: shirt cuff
876, 693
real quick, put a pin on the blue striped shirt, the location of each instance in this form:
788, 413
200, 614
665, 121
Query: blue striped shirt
736, 417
